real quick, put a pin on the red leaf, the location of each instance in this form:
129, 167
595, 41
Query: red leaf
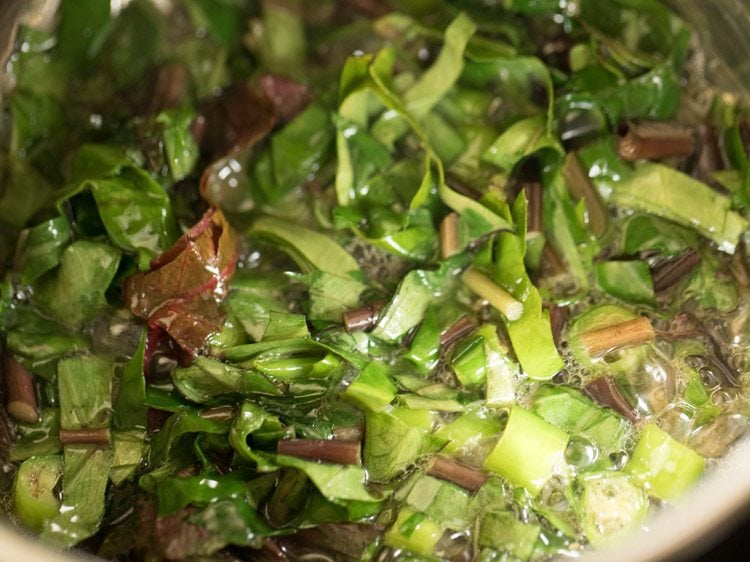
287, 96
246, 113
182, 291
236, 120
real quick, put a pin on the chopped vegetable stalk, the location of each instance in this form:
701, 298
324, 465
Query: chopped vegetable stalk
449, 244
580, 187
467, 432
20, 391
459, 329
611, 507
335, 451
654, 140
85, 436
34, 496
414, 532
362, 319
625, 334
663, 466
669, 274
604, 390
498, 297
529, 452
453, 471
470, 364
604, 316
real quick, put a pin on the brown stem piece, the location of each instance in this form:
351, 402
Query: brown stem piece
625, 334
534, 198
170, 85
219, 413
445, 468
449, 236
581, 187
460, 328
274, 550
669, 274
558, 317
362, 319
604, 391
654, 140
337, 451
84, 436
552, 263
20, 391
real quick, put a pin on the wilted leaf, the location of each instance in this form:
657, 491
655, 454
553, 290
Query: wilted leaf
182, 291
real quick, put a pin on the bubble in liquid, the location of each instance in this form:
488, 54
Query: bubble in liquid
581, 453
618, 459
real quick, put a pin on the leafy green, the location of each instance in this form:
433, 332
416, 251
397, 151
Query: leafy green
296, 152
317, 160
24, 193
531, 334
408, 306
372, 388
39, 439
665, 192
310, 249
576, 414
179, 145
42, 248
134, 208
129, 408
253, 424
76, 290
501, 530
82, 29
283, 40
84, 483
331, 295
128, 451
520, 140
179, 429
176, 493
85, 386
221, 18
337, 483
441, 501
647, 232
391, 445
627, 280
208, 378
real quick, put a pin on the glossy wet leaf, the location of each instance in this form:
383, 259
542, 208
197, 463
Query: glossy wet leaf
182, 291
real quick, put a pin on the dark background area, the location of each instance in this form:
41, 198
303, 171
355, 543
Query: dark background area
734, 546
